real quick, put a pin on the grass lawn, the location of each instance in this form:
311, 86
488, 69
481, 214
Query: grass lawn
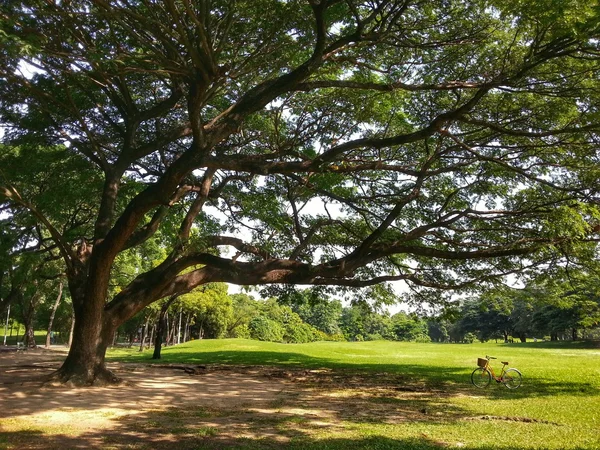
424, 396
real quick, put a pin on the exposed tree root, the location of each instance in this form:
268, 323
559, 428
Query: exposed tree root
76, 378
514, 419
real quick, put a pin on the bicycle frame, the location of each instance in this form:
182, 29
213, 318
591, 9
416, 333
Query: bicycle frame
489, 367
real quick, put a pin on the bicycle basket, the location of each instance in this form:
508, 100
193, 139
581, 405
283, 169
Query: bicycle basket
481, 362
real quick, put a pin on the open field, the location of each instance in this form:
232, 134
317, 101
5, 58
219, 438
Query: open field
254, 395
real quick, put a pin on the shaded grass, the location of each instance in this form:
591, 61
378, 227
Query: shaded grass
557, 406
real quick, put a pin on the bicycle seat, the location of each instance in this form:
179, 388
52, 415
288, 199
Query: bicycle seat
505, 363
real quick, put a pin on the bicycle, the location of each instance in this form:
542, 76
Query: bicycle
482, 376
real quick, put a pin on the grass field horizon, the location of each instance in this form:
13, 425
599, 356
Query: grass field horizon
557, 407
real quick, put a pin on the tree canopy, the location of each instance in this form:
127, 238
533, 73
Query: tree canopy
325, 142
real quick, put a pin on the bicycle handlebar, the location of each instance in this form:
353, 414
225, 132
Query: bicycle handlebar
490, 357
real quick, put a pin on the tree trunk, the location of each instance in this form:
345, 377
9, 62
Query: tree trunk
160, 331
179, 327
161, 326
52, 314
144, 333
574, 334
28, 314
167, 329
151, 340
173, 325
85, 363
72, 329
6, 324
30, 337
186, 328
92, 333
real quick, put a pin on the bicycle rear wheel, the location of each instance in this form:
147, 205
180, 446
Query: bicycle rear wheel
512, 378
481, 377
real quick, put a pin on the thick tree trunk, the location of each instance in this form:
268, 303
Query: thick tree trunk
85, 363
52, 314
92, 334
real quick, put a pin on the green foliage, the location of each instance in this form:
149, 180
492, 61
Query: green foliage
407, 328
264, 329
359, 322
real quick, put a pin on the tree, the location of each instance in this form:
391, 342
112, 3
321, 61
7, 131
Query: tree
321, 313
407, 328
212, 310
346, 143
360, 322
566, 303
244, 309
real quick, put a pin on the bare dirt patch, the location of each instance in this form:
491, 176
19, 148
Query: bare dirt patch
210, 406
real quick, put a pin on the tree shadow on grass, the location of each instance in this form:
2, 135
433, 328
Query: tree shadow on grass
426, 377
559, 345
199, 437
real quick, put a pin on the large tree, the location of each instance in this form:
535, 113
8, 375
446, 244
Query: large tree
331, 142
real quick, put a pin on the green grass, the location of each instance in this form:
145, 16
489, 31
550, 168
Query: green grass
40, 336
557, 407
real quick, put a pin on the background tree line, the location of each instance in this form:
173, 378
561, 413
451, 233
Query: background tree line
547, 309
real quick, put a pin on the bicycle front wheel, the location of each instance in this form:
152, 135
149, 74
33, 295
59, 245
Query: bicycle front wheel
481, 377
512, 378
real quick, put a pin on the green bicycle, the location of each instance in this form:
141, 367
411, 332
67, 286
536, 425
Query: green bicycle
482, 376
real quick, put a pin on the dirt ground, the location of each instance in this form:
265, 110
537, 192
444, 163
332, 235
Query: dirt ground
194, 407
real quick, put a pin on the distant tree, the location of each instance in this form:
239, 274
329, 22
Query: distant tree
264, 329
360, 322
212, 308
243, 309
438, 330
323, 314
409, 328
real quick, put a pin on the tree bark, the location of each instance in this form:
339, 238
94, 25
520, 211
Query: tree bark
144, 333
28, 314
72, 329
179, 327
186, 328
52, 314
85, 363
151, 340
161, 326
